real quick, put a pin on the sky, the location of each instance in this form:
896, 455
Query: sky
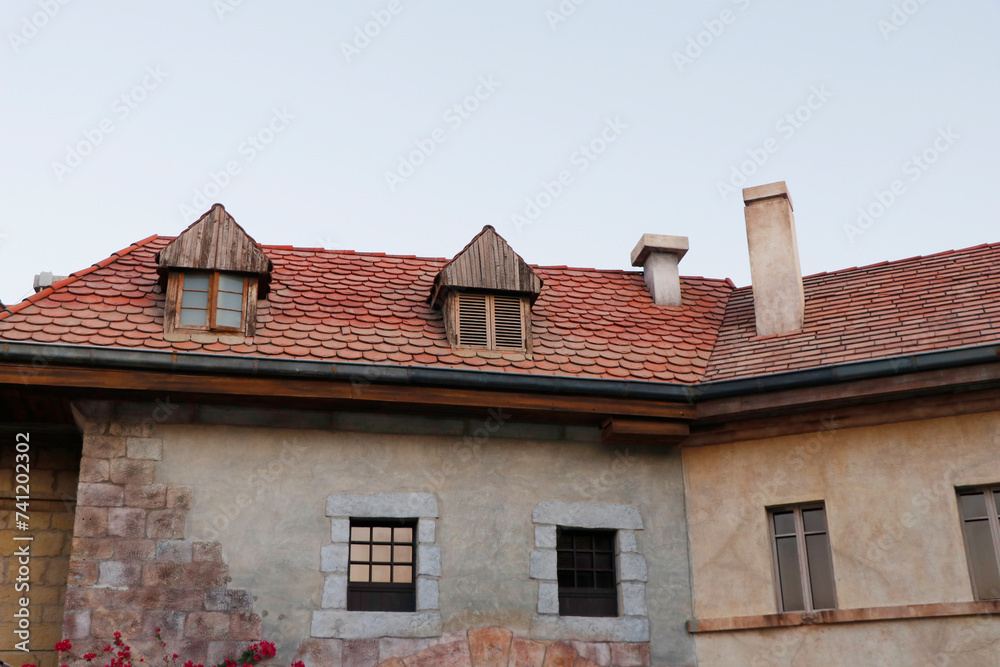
572, 126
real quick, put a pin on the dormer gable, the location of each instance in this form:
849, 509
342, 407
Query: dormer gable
214, 274
486, 292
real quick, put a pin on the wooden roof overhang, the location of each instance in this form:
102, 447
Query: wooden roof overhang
647, 413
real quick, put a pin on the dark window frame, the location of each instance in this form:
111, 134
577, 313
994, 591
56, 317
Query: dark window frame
990, 493
213, 302
582, 600
382, 596
805, 575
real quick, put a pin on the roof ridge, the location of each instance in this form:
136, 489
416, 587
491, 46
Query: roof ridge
73, 277
894, 262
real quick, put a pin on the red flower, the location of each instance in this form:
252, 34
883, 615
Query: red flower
64, 645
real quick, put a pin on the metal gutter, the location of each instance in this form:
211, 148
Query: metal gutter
44, 354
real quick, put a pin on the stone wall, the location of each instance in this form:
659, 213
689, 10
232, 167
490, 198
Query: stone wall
479, 647
53, 481
132, 568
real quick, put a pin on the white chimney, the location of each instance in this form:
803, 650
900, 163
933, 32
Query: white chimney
778, 301
658, 255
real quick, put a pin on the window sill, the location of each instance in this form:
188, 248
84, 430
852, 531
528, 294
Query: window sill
831, 616
375, 624
206, 336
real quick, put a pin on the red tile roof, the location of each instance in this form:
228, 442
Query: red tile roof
922, 304
359, 307
369, 307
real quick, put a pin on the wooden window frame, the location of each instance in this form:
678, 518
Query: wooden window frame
595, 595
800, 541
175, 296
454, 321
990, 492
361, 595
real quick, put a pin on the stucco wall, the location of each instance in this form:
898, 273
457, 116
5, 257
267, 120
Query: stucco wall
262, 493
893, 522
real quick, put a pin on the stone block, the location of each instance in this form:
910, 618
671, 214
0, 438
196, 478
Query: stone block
206, 575
244, 626
179, 497
428, 560
392, 662
209, 552
333, 558
626, 541
545, 537
119, 573
136, 550
426, 531
127, 522
454, 654
427, 594
103, 446
630, 654
94, 470
82, 572
76, 624
165, 575
631, 567
548, 597
106, 622
144, 448
91, 522
335, 592
320, 652
526, 653
587, 515
207, 625
99, 495
543, 564
173, 551
582, 628
132, 472
373, 624
130, 430
220, 651
340, 531
559, 654
377, 505
146, 496
144, 598
166, 524
489, 647
170, 623
633, 595
360, 653
47, 543
181, 599
598, 653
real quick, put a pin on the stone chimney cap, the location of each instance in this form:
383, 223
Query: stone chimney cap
653, 243
768, 191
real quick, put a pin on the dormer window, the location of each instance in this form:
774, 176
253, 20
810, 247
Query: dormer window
213, 301
485, 294
213, 274
491, 321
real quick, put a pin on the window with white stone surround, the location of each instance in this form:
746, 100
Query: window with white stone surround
334, 620
632, 622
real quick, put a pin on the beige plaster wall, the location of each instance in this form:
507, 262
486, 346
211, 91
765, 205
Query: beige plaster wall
262, 494
946, 642
893, 520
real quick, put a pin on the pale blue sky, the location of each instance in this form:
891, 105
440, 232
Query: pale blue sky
339, 122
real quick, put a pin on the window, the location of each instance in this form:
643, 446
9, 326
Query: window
803, 563
980, 528
490, 321
585, 561
214, 301
380, 571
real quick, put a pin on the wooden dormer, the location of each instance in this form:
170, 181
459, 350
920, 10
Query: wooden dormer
214, 274
486, 293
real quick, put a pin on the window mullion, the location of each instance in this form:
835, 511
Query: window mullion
800, 538
213, 296
491, 319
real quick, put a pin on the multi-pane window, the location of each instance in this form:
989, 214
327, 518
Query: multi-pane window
380, 574
211, 300
585, 561
803, 562
980, 527
491, 321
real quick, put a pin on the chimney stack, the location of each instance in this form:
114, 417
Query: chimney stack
658, 255
778, 300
